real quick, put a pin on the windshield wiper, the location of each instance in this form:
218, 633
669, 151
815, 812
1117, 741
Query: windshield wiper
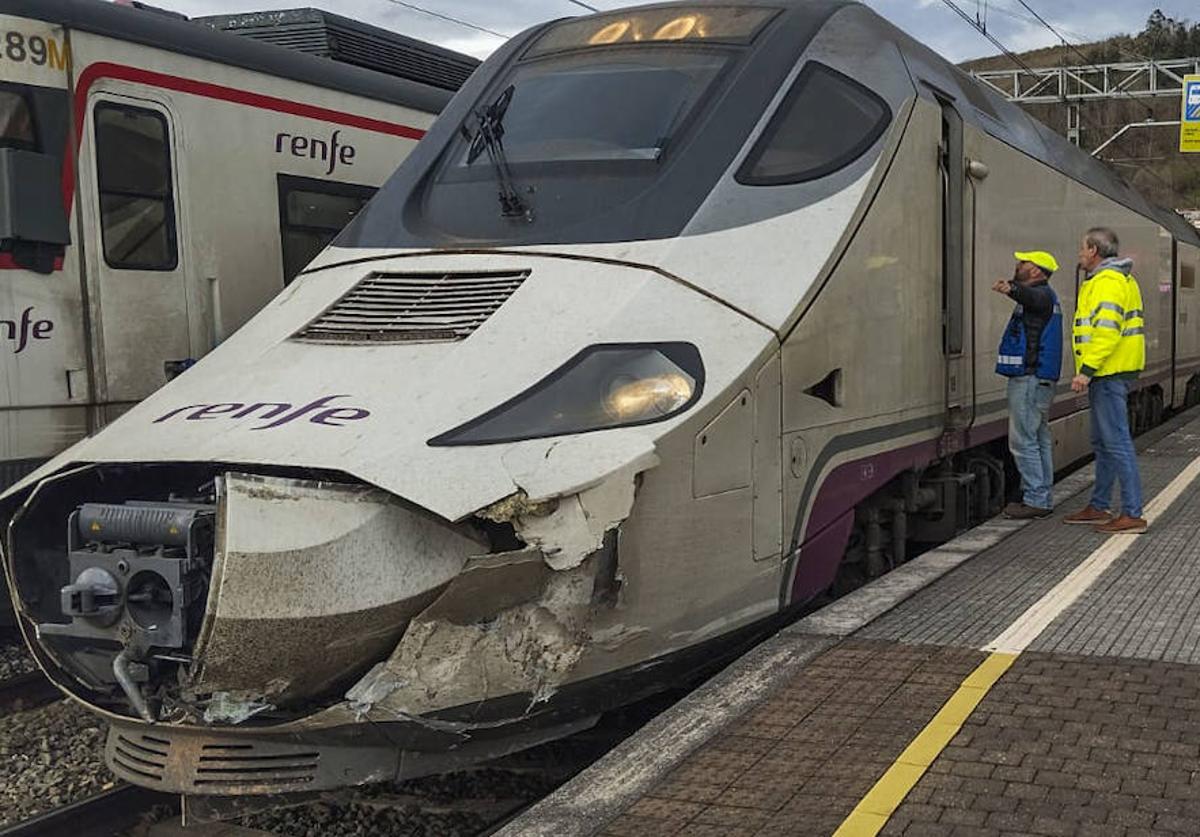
489, 137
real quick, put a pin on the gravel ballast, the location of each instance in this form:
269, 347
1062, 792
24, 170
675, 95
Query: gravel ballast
14, 659
49, 757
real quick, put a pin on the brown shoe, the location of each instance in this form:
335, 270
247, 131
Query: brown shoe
1089, 517
1123, 525
1020, 511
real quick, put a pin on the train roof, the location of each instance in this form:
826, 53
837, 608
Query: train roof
322, 33
179, 35
983, 107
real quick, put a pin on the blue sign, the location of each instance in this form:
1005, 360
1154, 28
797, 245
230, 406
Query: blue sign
1189, 122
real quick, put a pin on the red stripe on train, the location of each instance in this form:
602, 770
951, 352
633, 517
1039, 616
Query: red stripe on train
105, 70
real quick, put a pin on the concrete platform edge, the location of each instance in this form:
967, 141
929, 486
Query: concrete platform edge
586, 803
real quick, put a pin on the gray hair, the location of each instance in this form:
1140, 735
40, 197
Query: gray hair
1105, 241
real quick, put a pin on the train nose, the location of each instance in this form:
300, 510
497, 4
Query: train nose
274, 595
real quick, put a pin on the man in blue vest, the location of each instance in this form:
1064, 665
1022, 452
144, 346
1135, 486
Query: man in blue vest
1030, 356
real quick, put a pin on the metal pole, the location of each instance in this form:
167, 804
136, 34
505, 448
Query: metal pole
1110, 140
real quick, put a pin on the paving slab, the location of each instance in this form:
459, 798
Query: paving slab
1091, 728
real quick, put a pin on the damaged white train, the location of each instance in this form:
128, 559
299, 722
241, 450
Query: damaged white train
670, 320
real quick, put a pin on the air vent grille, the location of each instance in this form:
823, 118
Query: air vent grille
240, 764
143, 756
403, 307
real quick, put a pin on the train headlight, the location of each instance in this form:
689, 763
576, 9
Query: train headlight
639, 398
604, 386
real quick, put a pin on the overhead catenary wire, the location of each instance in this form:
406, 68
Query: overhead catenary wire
414, 7
1017, 60
995, 42
1086, 60
474, 26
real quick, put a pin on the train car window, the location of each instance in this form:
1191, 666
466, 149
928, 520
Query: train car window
827, 121
137, 203
1187, 276
311, 213
16, 122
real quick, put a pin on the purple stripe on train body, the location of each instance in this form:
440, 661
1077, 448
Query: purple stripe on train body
817, 561
829, 524
852, 482
832, 518
827, 532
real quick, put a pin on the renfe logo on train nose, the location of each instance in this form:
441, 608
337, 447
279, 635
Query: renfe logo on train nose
275, 413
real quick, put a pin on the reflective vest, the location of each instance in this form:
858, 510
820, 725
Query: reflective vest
1109, 332
1010, 359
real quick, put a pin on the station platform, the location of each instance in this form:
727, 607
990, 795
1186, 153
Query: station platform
1027, 678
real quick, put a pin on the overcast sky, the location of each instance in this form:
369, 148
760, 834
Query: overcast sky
930, 21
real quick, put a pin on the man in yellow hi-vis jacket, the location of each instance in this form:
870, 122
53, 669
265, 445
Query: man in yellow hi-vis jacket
1110, 350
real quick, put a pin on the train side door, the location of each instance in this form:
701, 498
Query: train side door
135, 253
955, 278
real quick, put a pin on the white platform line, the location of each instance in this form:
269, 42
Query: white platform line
1030, 624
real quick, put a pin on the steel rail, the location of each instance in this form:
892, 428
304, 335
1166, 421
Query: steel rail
27, 691
101, 815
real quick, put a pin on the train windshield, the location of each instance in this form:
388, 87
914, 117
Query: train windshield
592, 108
608, 127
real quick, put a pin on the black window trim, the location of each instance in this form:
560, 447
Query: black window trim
168, 199
22, 90
285, 184
844, 159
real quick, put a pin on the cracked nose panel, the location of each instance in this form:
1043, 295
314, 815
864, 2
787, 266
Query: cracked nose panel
314, 582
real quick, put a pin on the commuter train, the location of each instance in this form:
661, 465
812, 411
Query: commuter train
165, 181
676, 318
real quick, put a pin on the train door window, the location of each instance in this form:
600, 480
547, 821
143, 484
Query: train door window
311, 213
137, 203
827, 121
1187, 276
16, 121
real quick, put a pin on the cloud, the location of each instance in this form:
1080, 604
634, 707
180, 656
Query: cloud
929, 21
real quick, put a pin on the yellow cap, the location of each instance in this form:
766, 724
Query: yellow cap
1042, 259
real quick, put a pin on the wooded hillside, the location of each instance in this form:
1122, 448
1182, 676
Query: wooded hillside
1149, 157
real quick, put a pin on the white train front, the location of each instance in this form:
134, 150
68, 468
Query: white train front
673, 321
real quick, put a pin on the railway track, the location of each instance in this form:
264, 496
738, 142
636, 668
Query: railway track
22, 685
105, 814
26, 691
472, 802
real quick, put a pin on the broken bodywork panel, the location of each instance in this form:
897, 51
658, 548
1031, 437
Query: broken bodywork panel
516, 622
508, 625
302, 587
313, 606
312, 583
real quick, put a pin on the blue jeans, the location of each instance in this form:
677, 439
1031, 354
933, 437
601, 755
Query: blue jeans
1029, 437
1113, 446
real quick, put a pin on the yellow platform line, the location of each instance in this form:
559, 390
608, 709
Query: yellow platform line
873, 811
